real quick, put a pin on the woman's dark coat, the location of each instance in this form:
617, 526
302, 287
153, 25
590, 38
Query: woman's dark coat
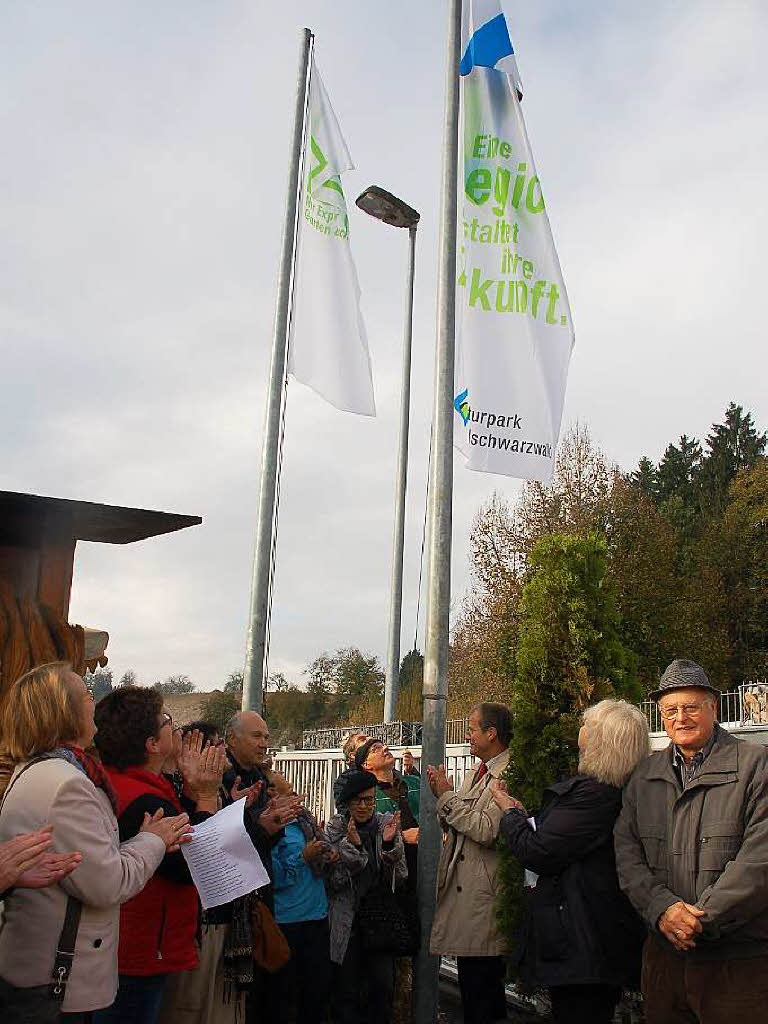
580, 928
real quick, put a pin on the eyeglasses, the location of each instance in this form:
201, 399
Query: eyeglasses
670, 711
363, 801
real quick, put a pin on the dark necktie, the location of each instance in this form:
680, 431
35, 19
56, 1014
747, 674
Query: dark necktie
481, 771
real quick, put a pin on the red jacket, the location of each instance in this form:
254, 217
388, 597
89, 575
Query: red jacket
158, 926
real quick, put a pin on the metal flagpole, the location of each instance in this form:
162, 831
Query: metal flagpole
253, 677
426, 973
396, 599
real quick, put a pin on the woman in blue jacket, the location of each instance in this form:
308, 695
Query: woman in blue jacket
300, 861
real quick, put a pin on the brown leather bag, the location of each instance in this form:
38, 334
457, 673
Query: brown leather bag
270, 947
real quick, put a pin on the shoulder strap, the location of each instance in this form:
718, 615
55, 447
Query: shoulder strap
35, 760
65, 950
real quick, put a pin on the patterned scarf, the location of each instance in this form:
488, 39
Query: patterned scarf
89, 766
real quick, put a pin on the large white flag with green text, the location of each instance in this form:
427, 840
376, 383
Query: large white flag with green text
514, 332
328, 344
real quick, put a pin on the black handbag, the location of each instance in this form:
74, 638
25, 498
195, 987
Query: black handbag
41, 1004
387, 924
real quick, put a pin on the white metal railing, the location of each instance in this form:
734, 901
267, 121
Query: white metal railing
314, 771
745, 706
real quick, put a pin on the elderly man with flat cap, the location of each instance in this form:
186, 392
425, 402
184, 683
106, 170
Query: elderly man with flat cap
692, 856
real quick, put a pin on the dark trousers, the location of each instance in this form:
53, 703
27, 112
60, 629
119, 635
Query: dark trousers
679, 990
481, 982
584, 1004
363, 987
299, 992
138, 1001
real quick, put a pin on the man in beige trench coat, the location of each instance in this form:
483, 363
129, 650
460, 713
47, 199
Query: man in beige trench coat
465, 916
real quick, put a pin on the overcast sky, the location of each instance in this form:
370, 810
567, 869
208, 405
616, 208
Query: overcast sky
142, 181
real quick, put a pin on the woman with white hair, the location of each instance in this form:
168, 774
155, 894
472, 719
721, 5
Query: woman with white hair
582, 939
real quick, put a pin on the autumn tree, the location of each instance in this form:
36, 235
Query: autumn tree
175, 685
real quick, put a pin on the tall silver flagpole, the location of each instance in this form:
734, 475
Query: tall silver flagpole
426, 972
253, 677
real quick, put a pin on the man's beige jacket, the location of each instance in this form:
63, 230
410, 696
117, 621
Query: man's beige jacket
465, 916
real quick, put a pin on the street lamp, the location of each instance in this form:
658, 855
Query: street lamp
388, 208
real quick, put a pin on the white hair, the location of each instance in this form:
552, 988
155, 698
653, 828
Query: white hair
617, 740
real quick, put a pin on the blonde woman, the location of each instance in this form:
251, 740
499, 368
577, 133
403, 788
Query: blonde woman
46, 725
582, 938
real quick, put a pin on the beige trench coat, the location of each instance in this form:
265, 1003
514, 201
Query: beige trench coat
465, 916
55, 792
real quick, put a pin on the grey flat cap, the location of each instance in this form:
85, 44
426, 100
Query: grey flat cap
682, 674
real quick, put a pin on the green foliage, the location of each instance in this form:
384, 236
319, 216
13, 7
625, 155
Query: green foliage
409, 697
99, 683
218, 708
569, 655
128, 678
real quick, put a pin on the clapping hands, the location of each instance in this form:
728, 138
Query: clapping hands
27, 861
439, 783
251, 793
501, 796
390, 830
279, 812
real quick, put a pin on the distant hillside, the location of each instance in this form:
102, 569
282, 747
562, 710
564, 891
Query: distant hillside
186, 707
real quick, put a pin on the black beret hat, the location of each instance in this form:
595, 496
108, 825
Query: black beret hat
350, 783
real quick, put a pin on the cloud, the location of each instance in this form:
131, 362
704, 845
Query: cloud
141, 201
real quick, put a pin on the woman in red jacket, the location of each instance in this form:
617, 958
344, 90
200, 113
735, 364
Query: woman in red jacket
158, 926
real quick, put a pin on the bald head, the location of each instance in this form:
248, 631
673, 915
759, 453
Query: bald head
247, 738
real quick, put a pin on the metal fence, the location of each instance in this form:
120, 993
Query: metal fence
745, 706
394, 734
314, 772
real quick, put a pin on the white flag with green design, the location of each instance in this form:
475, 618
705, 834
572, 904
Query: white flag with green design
514, 331
328, 344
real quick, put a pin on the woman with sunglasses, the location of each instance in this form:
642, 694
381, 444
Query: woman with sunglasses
158, 926
370, 848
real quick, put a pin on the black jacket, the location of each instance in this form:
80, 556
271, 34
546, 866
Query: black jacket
580, 928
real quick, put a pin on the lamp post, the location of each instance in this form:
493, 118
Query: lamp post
388, 208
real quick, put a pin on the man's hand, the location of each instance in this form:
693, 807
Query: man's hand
411, 836
279, 812
352, 834
332, 855
314, 850
680, 924
438, 782
501, 796
389, 831
251, 793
